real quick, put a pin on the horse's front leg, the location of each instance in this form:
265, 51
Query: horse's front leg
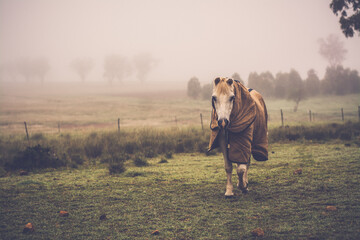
228, 165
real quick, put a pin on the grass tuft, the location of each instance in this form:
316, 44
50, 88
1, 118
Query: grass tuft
116, 168
163, 160
140, 161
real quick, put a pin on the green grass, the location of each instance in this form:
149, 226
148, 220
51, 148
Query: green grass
184, 198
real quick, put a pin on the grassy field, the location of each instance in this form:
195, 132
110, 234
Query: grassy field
86, 108
183, 199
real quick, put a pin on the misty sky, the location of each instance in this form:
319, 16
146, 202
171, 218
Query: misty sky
203, 38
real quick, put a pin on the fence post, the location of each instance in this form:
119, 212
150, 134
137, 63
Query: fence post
342, 114
282, 118
201, 120
119, 125
27, 133
310, 115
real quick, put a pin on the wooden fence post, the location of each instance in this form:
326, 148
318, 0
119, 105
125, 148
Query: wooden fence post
342, 114
201, 120
27, 133
282, 118
119, 125
310, 115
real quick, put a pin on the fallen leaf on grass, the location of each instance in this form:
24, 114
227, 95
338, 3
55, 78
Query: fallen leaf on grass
156, 232
63, 214
298, 171
29, 228
257, 232
331, 208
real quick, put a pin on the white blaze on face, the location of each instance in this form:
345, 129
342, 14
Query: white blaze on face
223, 106
223, 98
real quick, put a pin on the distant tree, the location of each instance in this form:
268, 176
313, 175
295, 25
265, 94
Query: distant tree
350, 15
24, 68
236, 76
116, 67
193, 88
296, 91
262, 83
82, 67
312, 83
332, 49
353, 81
281, 85
340, 81
206, 91
33, 68
40, 67
143, 64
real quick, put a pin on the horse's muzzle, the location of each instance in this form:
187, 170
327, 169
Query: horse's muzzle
223, 123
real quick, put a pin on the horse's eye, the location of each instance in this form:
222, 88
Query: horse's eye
232, 98
213, 98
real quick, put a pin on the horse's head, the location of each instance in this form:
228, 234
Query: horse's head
222, 100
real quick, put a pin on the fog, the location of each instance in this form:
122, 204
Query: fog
203, 38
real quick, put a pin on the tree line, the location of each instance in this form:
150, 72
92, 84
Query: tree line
116, 67
289, 85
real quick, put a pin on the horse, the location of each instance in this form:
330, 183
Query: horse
239, 127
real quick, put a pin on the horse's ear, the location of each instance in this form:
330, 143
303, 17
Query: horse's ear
229, 81
216, 81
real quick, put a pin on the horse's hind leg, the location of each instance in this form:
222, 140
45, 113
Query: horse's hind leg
242, 171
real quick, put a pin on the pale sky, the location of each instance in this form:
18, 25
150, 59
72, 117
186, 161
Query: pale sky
203, 38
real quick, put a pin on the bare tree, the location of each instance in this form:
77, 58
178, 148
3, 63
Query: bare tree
23, 67
82, 67
40, 67
32, 68
116, 66
332, 49
143, 64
